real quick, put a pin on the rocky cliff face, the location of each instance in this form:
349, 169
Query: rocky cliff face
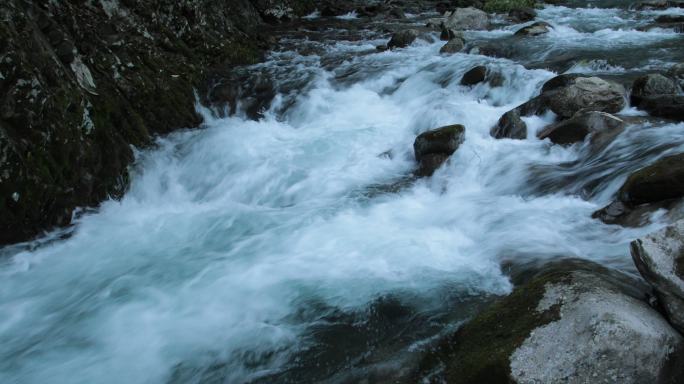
82, 81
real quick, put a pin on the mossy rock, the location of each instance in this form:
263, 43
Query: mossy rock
662, 180
589, 318
505, 6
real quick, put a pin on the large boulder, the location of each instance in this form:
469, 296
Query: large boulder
474, 76
402, 39
660, 181
667, 106
659, 257
580, 125
587, 93
651, 85
454, 45
467, 19
676, 72
433, 147
571, 323
535, 29
657, 186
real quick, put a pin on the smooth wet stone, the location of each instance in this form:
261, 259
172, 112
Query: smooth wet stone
659, 257
475, 75
662, 180
510, 124
470, 18
432, 148
573, 322
402, 39
667, 106
587, 93
651, 85
576, 128
535, 29
454, 45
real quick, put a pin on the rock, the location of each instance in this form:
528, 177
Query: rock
651, 85
334, 8
670, 19
81, 83
667, 106
511, 126
496, 79
535, 29
434, 147
580, 125
659, 257
467, 19
587, 93
676, 72
662, 180
660, 4
449, 34
253, 92
402, 39
573, 322
474, 75
522, 15
454, 45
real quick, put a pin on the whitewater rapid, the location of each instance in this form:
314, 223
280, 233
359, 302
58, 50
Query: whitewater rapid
238, 238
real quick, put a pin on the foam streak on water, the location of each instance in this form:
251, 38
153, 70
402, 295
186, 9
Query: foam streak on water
238, 237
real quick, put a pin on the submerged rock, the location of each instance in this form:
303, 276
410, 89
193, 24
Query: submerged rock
454, 45
432, 148
580, 125
587, 93
660, 260
574, 322
403, 39
467, 19
535, 29
474, 76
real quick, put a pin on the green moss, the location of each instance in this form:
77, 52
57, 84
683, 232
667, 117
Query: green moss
505, 6
479, 352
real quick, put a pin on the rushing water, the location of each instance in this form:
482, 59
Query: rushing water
295, 248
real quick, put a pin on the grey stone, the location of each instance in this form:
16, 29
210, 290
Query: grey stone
660, 259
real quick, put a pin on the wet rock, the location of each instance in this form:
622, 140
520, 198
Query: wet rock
454, 45
573, 322
496, 79
659, 257
522, 15
253, 93
535, 29
662, 180
670, 19
467, 19
434, 147
660, 4
651, 85
448, 34
587, 93
334, 8
402, 39
580, 125
676, 73
511, 126
667, 106
474, 76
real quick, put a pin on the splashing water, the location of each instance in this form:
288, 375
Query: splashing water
239, 240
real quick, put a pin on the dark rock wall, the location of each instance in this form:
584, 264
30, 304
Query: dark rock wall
82, 81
